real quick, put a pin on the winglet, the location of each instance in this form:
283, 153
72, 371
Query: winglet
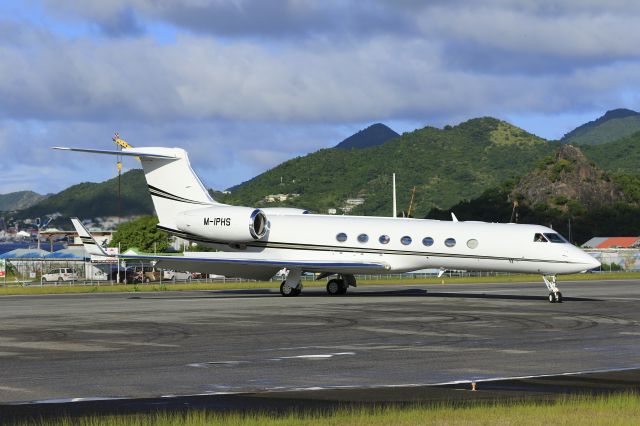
89, 243
453, 217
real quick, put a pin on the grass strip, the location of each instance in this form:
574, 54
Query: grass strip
614, 409
66, 288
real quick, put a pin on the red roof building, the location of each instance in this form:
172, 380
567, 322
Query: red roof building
619, 242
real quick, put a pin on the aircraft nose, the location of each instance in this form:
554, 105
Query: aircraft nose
593, 262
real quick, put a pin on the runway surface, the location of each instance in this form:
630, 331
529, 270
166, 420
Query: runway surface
147, 345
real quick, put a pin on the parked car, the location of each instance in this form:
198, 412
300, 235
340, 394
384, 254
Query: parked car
173, 275
60, 274
145, 274
126, 275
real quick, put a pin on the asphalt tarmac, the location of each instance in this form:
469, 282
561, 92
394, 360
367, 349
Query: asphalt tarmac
377, 340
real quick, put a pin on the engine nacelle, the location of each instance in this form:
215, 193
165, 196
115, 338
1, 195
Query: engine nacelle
225, 223
284, 211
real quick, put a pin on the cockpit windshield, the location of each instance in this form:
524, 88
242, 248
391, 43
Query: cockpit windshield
555, 238
549, 237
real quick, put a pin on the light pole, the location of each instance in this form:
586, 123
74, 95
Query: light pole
41, 225
38, 234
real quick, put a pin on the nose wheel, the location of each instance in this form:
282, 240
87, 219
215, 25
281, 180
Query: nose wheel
555, 297
554, 294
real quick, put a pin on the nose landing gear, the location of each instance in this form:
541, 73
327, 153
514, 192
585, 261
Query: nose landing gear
554, 294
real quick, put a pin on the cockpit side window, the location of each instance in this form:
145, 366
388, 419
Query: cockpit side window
555, 238
539, 238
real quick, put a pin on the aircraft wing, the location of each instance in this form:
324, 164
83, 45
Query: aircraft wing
234, 264
251, 265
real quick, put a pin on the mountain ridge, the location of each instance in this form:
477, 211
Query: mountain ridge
373, 135
19, 200
446, 165
90, 200
613, 125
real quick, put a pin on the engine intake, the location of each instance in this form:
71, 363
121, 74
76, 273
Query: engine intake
225, 223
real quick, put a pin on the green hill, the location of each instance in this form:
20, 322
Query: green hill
373, 135
566, 192
613, 125
622, 155
621, 159
446, 166
19, 200
89, 200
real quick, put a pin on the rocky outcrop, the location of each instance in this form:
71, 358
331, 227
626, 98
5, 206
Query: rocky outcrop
568, 179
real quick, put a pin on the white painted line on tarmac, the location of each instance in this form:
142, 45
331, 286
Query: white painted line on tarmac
125, 343
314, 356
405, 332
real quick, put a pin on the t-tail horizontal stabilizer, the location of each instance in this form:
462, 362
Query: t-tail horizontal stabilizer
89, 243
163, 153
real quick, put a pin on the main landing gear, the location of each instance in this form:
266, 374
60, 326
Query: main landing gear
292, 286
554, 294
338, 286
287, 290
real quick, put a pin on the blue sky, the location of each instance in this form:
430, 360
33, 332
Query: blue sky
246, 84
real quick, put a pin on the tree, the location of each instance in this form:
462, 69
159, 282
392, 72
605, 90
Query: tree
142, 234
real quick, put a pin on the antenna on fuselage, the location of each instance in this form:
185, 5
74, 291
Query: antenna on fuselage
394, 196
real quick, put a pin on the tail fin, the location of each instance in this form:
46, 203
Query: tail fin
173, 184
89, 243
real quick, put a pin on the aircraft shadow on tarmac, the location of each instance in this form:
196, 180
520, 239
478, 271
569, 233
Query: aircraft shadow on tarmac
221, 294
507, 296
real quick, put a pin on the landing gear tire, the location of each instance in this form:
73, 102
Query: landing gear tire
336, 287
288, 291
554, 294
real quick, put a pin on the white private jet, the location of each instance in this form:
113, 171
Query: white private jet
256, 243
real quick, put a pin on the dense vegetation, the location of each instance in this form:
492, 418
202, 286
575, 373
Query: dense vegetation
142, 234
577, 223
619, 156
89, 200
446, 165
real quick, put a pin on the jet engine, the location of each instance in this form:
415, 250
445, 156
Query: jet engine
284, 211
225, 223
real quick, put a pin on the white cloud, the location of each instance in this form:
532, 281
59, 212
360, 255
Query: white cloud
245, 84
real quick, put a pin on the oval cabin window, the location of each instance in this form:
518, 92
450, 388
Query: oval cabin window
450, 242
384, 239
472, 243
363, 238
342, 237
406, 240
427, 241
